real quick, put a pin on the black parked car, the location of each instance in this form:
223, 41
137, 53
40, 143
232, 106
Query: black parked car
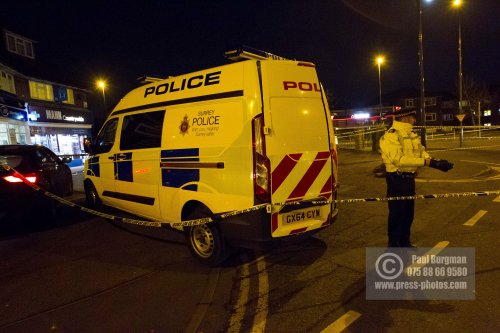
40, 166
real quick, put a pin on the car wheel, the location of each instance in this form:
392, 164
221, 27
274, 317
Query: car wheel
205, 241
91, 197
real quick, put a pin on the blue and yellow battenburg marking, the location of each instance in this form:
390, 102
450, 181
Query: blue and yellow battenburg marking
176, 170
94, 169
123, 169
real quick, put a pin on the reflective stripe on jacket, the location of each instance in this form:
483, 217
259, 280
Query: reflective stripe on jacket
402, 149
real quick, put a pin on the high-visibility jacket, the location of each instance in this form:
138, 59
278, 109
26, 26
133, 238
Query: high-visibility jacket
402, 149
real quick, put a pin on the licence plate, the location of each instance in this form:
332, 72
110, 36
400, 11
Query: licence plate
302, 215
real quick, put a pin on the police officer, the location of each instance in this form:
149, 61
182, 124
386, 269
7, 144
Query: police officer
403, 153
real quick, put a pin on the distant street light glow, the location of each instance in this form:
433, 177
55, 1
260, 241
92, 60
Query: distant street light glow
380, 60
102, 84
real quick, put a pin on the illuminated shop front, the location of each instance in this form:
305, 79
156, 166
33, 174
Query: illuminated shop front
62, 130
13, 117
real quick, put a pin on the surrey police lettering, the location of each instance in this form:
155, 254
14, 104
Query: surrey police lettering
206, 117
206, 123
195, 81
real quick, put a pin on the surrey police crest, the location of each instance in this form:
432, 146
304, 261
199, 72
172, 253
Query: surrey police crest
184, 126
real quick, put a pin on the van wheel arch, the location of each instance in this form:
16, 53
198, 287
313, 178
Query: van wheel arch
206, 242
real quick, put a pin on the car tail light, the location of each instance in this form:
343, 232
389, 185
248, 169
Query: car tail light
261, 164
16, 179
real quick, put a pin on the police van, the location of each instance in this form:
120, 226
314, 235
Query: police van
225, 139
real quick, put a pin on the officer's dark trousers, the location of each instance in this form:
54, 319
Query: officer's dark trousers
400, 211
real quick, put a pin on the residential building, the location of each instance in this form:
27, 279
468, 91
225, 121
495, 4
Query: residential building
36, 106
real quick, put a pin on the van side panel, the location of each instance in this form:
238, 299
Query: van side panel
206, 158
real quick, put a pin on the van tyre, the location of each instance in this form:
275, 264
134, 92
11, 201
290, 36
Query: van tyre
91, 197
205, 241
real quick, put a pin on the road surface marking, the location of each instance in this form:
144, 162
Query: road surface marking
205, 301
432, 252
341, 324
259, 321
497, 199
480, 162
473, 220
239, 310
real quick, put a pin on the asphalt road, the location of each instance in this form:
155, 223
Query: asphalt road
84, 274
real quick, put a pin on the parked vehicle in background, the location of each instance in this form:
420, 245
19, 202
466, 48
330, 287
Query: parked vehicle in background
40, 166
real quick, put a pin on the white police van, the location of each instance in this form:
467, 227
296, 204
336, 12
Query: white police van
257, 131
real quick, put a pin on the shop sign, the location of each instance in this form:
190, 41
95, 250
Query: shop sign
74, 119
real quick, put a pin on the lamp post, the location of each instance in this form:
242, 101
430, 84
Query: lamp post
380, 60
102, 84
421, 70
457, 4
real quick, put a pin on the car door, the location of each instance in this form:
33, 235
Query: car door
54, 170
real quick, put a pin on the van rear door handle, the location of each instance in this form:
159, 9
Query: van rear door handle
121, 156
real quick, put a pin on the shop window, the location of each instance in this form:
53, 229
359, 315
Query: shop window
142, 130
39, 90
447, 117
7, 82
4, 138
487, 113
19, 45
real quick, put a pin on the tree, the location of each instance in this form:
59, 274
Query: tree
476, 93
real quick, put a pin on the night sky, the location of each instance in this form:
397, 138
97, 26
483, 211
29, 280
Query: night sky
123, 40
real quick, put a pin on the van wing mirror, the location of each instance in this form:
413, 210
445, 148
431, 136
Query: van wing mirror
87, 145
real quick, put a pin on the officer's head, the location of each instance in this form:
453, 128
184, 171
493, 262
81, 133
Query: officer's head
408, 116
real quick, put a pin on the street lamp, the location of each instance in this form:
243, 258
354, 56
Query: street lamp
102, 84
380, 60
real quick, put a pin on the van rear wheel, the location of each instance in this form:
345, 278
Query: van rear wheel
205, 241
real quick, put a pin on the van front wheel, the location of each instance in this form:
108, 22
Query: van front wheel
205, 241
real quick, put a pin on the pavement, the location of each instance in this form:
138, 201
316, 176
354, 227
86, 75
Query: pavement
78, 195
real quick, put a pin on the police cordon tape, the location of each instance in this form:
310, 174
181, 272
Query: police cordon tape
217, 217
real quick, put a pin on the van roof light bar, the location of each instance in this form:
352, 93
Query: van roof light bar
148, 79
247, 52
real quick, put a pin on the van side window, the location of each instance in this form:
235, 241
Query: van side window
106, 137
142, 130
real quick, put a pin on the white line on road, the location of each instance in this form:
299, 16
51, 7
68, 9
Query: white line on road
432, 252
473, 220
480, 162
497, 199
341, 324
259, 321
239, 310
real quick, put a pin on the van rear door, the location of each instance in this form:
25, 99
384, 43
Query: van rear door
298, 145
